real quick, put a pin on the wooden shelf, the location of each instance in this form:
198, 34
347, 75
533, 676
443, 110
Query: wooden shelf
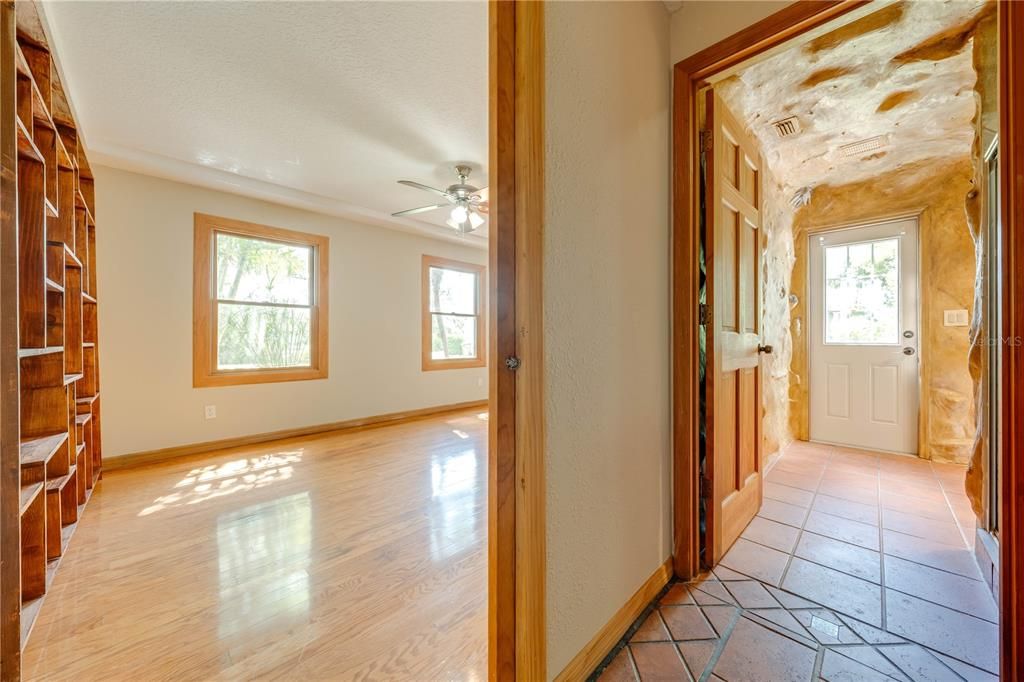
30, 352
60, 482
28, 495
56, 400
70, 258
40, 450
26, 147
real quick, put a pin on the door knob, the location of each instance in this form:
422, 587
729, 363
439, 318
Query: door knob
908, 351
763, 349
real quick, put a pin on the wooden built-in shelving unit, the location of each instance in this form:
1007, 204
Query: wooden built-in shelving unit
59, 445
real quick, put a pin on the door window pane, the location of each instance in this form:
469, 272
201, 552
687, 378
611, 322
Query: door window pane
452, 291
862, 293
454, 336
261, 336
262, 271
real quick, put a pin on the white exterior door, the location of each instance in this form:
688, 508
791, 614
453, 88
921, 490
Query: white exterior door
863, 336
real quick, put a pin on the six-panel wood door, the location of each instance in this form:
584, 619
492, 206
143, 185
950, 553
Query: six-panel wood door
733, 220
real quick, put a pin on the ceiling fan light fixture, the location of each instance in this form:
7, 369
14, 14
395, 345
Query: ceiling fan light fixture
459, 214
475, 220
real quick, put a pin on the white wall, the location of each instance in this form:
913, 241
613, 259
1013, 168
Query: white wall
700, 24
144, 253
606, 300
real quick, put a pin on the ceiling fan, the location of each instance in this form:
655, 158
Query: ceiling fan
466, 201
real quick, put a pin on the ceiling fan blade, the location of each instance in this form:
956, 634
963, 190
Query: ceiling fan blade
482, 193
418, 185
481, 208
421, 209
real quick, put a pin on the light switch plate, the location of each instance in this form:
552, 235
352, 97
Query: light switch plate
955, 318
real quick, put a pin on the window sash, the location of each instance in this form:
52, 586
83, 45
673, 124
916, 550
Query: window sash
312, 306
476, 291
215, 285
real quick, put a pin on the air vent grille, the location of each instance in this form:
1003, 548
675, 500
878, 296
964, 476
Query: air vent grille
787, 127
863, 146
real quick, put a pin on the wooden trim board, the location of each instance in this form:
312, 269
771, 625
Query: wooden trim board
516, 492
138, 459
590, 656
1011, 189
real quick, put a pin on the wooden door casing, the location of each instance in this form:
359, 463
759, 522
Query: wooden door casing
733, 220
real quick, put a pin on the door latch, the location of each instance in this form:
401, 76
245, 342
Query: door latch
908, 351
512, 362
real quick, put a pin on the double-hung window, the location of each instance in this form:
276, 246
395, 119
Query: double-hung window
260, 303
454, 314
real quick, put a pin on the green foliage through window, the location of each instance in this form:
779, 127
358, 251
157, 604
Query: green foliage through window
264, 303
862, 293
453, 308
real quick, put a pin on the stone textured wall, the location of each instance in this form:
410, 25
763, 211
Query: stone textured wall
947, 275
777, 226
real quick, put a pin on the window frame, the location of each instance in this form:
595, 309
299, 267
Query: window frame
429, 364
204, 304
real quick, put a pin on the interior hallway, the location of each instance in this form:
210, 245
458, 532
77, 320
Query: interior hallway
353, 555
859, 566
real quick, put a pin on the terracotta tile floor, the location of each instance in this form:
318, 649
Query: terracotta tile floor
859, 566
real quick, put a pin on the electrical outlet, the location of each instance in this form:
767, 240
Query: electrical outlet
211, 411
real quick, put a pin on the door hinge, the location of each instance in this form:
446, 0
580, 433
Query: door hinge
705, 487
512, 362
704, 314
706, 141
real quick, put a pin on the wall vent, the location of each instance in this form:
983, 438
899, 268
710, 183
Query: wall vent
787, 127
863, 146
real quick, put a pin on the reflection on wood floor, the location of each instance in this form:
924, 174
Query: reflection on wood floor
357, 555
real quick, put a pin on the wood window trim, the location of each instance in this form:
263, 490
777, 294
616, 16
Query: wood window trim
429, 364
204, 372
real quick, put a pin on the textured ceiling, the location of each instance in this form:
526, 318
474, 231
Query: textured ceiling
903, 73
322, 104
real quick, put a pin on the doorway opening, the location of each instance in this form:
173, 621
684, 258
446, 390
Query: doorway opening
856, 410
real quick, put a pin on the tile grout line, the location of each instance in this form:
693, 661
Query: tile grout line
881, 555
807, 516
949, 506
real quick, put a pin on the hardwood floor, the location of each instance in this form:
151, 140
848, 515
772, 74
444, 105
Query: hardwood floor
351, 556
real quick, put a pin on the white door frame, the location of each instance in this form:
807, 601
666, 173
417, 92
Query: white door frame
817, 231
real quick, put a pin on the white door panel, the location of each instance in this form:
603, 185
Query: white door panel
863, 336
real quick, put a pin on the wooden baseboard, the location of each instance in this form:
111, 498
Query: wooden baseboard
153, 456
607, 637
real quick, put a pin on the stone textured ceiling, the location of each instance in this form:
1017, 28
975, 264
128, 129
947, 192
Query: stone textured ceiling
904, 73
